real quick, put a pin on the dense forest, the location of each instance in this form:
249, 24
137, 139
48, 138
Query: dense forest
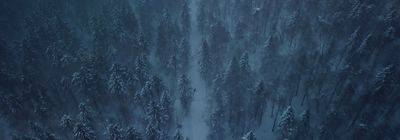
200, 70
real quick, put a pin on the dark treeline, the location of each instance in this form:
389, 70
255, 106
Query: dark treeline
273, 69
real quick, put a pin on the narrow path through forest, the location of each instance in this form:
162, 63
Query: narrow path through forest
194, 126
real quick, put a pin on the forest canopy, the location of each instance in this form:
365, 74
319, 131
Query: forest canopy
199, 69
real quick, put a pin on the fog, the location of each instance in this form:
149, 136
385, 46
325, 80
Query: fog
199, 70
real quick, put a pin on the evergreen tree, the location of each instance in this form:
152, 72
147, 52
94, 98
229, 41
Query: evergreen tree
101, 39
201, 17
165, 40
142, 67
166, 110
33, 61
246, 76
83, 132
119, 79
234, 89
185, 92
154, 118
240, 30
152, 133
244, 64
249, 136
184, 56
152, 91
88, 79
258, 103
218, 39
219, 35
67, 122
382, 89
185, 19
216, 125
330, 126
178, 135
232, 74
206, 62
270, 58
384, 83
86, 114
286, 124
145, 11
132, 134
114, 132
43, 107
172, 66
122, 28
304, 126
126, 21
142, 46
351, 43
64, 45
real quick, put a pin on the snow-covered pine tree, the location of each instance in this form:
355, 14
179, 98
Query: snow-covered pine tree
89, 79
132, 133
166, 110
246, 75
205, 63
304, 126
178, 135
86, 114
249, 136
83, 132
118, 80
67, 122
287, 125
216, 125
142, 67
114, 132
152, 91
154, 118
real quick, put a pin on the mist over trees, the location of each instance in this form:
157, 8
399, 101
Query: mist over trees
199, 70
